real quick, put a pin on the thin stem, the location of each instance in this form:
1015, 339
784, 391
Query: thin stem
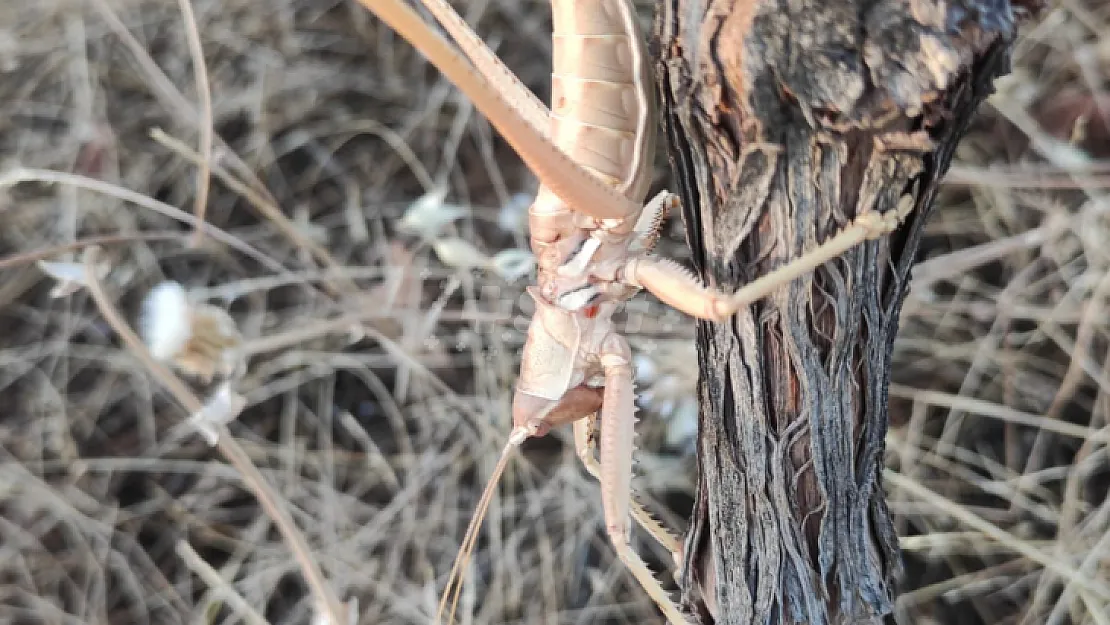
26, 258
200, 73
248, 473
217, 583
1065, 570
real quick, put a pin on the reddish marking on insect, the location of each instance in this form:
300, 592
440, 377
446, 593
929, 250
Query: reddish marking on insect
591, 311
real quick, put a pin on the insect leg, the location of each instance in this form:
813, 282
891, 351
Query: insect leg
618, 420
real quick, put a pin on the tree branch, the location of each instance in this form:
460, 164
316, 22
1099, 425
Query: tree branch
785, 119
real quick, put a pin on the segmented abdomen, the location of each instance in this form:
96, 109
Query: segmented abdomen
602, 113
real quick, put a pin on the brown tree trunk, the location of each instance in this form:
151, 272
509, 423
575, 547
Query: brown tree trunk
785, 119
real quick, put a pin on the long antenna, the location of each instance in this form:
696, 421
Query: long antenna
453, 590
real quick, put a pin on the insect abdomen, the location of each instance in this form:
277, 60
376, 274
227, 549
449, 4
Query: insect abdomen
602, 115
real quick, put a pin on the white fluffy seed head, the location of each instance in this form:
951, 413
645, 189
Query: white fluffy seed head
459, 253
220, 409
165, 322
70, 276
427, 215
513, 265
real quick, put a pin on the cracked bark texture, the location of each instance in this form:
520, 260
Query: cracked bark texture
785, 119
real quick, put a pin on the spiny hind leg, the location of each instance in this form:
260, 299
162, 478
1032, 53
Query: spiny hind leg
618, 420
583, 428
679, 288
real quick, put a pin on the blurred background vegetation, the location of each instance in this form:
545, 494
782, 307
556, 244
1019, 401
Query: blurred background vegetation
370, 236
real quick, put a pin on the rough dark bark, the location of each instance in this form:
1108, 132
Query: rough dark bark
785, 119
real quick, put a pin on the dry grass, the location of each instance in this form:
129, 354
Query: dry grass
377, 390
